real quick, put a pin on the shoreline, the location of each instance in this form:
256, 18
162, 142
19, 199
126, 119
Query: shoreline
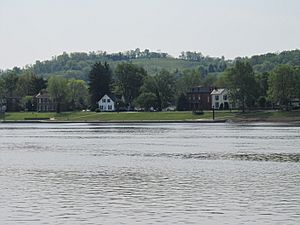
113, 121
203, 121
288, 117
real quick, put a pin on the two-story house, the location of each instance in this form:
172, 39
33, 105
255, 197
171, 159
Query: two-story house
219, 99
44, 103
107, 103
199, 98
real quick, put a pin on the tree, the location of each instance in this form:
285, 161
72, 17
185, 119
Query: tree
78, 94
241, 83
166, 88
147, 100
182, 102
58, 90
129, 79
100, 78
186, 80
9, 83
28, 103
162, 86
29, 84
282, 85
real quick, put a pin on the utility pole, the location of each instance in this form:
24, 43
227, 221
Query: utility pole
213, 112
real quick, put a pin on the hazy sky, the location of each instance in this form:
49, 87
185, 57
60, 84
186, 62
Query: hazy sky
33, 30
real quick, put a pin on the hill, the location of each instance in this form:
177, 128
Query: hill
78, 64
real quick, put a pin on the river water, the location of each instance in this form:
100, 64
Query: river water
149, 174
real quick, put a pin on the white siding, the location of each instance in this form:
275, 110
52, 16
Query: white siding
106, 104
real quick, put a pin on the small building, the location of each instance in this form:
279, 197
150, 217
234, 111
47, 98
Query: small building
219, 99
199, 98
107, 103
44, 103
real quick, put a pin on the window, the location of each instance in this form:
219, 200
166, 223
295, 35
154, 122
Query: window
199, 98
110, 107
225, 97
217, 97
217, 105
108, 100
104, 100
101, 106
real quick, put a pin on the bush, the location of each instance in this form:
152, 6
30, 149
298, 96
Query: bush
97, 110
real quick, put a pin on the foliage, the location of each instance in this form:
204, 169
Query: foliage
29, 84
78, 94
241, 83
282, 85
182, 103
129, 79
28, 103
269, 61
100, 78
162, 86
9, 83
147, 100
58, 90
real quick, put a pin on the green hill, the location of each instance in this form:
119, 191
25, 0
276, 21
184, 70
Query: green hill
78, 64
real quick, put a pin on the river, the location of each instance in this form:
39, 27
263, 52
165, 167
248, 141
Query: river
149, 174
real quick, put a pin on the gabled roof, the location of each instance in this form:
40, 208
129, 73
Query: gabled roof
218, 91
43, 94
111, 96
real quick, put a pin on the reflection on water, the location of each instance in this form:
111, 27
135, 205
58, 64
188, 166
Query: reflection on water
149, 174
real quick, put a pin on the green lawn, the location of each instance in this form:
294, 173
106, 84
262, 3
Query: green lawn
272, 116
114, 116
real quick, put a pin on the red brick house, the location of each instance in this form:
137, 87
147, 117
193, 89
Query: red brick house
199, 98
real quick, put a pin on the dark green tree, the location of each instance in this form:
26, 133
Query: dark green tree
182, 102
100, 78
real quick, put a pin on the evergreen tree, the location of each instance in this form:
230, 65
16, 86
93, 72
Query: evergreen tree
100, 78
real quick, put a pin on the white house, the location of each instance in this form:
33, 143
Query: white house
107, 103
219, 99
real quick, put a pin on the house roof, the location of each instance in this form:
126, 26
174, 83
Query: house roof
43, 94
111, 96
218, 91
200, 89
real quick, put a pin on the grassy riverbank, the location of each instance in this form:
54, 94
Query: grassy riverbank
257, 116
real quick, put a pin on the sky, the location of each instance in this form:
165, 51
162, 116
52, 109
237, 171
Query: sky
33, 30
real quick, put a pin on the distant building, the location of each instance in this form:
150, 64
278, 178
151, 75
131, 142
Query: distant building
44, 103
199, 98
220, 99
107, 103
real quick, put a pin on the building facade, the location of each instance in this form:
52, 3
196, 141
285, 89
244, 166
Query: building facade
199, 98
107, 103
44, 103
220, 99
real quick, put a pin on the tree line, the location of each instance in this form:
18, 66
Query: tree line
137, 88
